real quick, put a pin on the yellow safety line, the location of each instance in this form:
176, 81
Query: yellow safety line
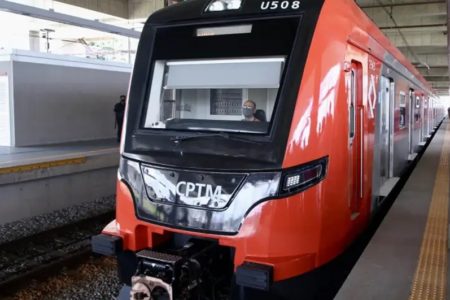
430, 279
43, 165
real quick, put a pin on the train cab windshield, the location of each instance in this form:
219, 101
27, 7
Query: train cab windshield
202, 91
226, 95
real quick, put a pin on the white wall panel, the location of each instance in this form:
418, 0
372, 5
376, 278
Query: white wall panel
64, 100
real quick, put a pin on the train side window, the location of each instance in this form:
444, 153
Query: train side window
416, 113
352, 96
402, 122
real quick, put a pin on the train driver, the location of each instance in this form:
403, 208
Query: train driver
248, 110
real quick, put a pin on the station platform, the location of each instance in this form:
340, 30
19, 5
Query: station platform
36, 181
407, 256
13, 157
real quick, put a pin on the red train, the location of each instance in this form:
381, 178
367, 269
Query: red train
260, 137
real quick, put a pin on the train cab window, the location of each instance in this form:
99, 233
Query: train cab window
209, 95
402, 121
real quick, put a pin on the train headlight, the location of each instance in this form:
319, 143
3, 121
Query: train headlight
304, 176
222, 5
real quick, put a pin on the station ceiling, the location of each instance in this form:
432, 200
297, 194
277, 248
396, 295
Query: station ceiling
419, 29
127, 9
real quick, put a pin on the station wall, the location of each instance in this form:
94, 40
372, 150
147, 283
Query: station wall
56, 104
5, 100
55, 99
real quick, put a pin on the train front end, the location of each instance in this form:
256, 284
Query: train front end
206, 208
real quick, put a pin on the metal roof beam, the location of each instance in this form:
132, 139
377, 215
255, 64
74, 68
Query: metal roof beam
117, 8
437, 78
414, 26
402, 4
425, 50
53, 16
433, 71
433, 40
430, 15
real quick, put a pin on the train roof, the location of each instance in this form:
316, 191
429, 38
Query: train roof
195, 10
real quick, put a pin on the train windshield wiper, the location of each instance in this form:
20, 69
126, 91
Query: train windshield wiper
223, 135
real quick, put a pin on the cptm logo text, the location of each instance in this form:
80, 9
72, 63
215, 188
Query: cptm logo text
199, 190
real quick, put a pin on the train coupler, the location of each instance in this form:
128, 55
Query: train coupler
157, 275
196, 270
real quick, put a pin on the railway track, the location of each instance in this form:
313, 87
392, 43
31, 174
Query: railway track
46, 253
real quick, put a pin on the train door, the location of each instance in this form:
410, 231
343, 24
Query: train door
385, 135
356, 138
431, 115
411, 122
425, 119
418, 119
422, 121
384, 120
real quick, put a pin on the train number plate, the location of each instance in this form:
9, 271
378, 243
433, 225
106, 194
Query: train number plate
280, 5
